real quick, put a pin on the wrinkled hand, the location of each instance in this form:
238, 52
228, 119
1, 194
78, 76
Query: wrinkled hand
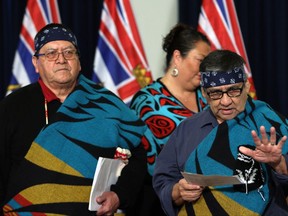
267, 151
109, 202
189, 192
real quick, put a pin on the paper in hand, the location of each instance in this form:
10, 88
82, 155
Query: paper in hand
211, 180
107, 172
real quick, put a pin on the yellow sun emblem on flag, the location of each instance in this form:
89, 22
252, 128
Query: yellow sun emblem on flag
141, 76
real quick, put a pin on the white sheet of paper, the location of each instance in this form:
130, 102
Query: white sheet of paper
211, 180
107, 172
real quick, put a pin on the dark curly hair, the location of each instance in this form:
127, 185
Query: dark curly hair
181, 37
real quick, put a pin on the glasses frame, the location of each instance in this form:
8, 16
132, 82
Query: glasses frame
74, 52
227, 92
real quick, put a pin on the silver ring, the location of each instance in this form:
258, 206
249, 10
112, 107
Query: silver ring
272, 143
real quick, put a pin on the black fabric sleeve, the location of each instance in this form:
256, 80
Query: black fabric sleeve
4, 155
132, 178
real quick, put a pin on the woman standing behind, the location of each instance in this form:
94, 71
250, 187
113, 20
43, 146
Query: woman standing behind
170, 99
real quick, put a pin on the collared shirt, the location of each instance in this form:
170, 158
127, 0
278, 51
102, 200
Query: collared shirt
48, 94
77, 138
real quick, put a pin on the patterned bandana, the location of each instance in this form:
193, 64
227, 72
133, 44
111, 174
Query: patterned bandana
52, 34
219, 78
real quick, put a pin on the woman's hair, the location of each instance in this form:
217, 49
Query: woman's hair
181, 37
221, 60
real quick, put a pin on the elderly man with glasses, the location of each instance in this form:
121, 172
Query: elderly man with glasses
52, 133
235, 135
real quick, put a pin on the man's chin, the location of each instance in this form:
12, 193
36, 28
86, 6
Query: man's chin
228, 114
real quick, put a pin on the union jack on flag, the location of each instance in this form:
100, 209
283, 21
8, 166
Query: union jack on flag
38, 13
120, 63
218, 20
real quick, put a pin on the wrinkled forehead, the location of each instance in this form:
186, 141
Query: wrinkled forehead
58, 45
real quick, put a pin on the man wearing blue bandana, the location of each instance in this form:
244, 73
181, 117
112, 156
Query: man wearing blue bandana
54, 131
235, 135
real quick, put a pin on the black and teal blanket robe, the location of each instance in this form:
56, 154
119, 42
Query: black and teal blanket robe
217, 154
56, 174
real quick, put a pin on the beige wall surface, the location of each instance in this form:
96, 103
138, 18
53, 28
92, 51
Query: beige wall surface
154, 19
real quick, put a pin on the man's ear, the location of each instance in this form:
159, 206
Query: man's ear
204, 93
34, 62
247, 86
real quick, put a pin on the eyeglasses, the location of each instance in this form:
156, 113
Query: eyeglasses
54, 54
231, 92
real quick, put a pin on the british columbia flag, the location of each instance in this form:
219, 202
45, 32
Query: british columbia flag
120, 63
218, 20
38, 13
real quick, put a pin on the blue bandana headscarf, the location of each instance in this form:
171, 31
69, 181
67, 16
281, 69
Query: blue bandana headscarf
53, 33
219, 78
